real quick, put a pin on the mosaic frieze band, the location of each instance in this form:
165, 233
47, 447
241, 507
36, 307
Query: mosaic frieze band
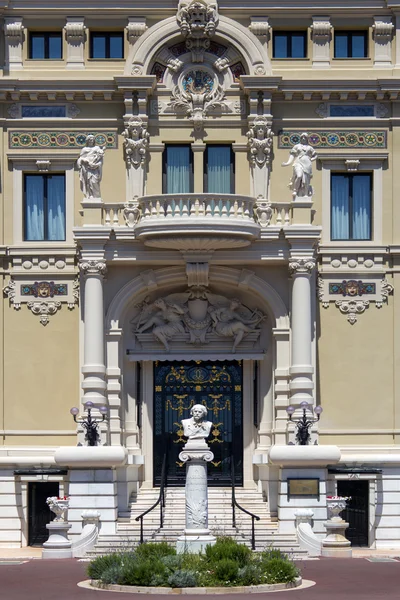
352, 288
336, 139
44, 289
60, 139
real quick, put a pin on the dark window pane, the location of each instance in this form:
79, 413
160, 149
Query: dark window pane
351, 110
43, 111
37, 46
341, 45
361, 201
44, 207
116, 46
98, 46
298, 45
351, 206
358, 45
280, 45
55, 49
55, 207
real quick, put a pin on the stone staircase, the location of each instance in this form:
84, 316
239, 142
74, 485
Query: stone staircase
220, 521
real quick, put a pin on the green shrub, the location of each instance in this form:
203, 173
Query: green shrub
226, 569
173, 563
273, 553
112, 574
158, 580
97, 566
154, 550
250, 575
226, 547
141, 571
182, 578
279, 570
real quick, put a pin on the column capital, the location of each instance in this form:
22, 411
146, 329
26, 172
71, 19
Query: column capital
301, 265
93, 267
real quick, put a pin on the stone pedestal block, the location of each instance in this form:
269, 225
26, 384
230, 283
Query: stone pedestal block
58, 544
335, 544
196, 535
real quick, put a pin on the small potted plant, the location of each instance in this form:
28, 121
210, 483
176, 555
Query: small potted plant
58, 506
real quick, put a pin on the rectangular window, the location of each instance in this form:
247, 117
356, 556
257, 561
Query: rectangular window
106, 44
351, 110
351, 44
45, 45
178, 169
219, 170
44, 207
290, 44
351, 206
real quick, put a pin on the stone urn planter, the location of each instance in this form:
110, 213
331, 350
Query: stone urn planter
336, 504
58, 506
335, 544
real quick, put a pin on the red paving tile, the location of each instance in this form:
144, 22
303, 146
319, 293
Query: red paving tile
358, 579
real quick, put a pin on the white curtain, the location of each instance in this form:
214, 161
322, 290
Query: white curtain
340, 199
178, 166
56, 207
361, 207
219, 169
44, 207
34, 207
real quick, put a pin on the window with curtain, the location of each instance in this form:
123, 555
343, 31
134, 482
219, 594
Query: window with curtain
219, 170
178, 169
351, 206
44, 207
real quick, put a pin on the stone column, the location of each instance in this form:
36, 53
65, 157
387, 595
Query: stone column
301, 369
196, 454
93, 369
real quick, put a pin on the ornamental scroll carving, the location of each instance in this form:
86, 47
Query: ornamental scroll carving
136, 142
199, 317
260, 142
93, 267
198, 21
299, 266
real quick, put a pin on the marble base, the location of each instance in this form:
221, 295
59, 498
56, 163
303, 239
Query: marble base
58, 544
194, 543
335, 544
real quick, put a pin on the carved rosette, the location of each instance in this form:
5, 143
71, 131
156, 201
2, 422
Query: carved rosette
352, 308
301, 266
93, 267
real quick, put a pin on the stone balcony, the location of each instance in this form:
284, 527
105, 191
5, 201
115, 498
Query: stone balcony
198, 222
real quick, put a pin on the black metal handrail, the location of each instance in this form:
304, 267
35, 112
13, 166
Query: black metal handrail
235, 504
160, 501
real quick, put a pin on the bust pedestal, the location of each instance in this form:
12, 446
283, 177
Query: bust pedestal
196, 536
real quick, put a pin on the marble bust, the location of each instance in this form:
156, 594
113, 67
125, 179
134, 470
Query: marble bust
197, 428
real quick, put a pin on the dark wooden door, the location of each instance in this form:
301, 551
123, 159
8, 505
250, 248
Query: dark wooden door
178, 387
356, 513
39, 513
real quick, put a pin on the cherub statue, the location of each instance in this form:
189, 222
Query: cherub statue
228, 322
166, 321
260, 141
197, 428
90, 165
302, 156
136, 142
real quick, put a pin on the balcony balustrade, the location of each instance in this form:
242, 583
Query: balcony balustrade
197, 221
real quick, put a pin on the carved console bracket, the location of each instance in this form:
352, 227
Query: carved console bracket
43, 298
377, 290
